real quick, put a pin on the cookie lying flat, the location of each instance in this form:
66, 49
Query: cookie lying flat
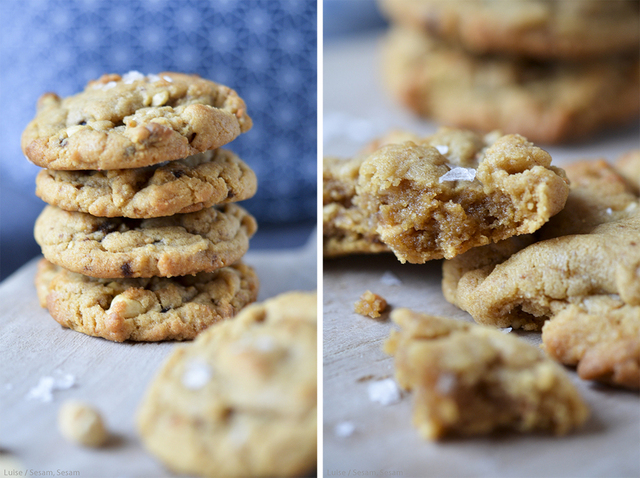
144, 309
181, 244
470, 380
442, 195
591, 248
241, 400
180, 186
133, 121
541, 29
601, 336
545, 102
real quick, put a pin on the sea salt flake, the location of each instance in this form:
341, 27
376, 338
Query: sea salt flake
153, 78
109, 85
458, 174
442, 149
389, 278
344, 429
47, 385
506, 330
197, 375
168, 78
132, 76
445, 383
609, 211
384, 392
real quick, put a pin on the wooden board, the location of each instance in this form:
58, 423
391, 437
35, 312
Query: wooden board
108, 375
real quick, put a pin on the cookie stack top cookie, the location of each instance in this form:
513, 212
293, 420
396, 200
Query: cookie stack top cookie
551, 71
140, 192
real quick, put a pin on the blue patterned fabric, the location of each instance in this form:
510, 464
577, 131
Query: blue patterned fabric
264, 49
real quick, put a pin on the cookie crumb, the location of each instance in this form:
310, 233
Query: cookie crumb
389, 278
344, 429
370, 305
384, 392
81, 424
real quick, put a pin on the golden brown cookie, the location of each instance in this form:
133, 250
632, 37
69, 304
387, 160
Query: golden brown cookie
601, 335
470, 380
440, 196
591, 248
150, 309
180, 186
181, 244
546, 102
240, 400
132, 121
535, 28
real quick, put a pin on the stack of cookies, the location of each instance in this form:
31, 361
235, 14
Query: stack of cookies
141, 238
551, 71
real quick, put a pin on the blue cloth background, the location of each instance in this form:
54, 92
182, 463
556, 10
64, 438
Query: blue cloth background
264, 49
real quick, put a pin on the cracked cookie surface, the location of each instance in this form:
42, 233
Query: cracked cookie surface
468, 379
133, 121
583, 267
548, 102
535, 28
150, 309
177, 245
180, 186
240, 400
434, 197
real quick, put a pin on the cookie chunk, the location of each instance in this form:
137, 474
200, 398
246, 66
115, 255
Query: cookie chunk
591, 248
534, 28
177, 245
470, 380
440, 196
132, 121
546, 102
629, 167
240, 400
601, 335
146, 310
180, 186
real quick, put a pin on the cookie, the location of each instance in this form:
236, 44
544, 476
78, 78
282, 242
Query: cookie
535, 28
440, 196
177, 187
470, 380
181, 244
546, 102
240, 400
628, 166
132, 121
589, 249
145, 310
601, 336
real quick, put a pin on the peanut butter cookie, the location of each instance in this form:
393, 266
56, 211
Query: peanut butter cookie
181, 244
180, 186
131, 121
440, 196
581, 270
240, 400
548, 102
151, 309
536, 28
469, 380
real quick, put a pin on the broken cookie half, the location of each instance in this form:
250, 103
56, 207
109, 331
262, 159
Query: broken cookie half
469, 380
439, 196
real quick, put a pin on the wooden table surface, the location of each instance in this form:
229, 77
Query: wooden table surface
111, 376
